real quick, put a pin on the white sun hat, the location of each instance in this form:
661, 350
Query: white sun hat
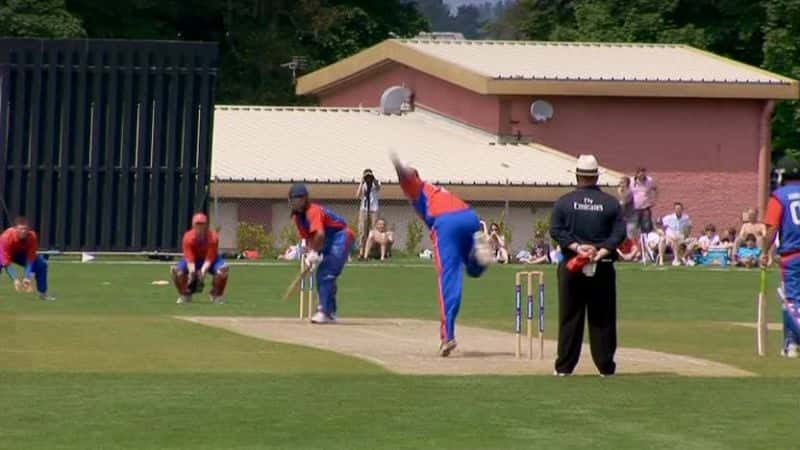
587, 166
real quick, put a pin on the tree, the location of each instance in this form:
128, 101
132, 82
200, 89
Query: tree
782, 55
38, 18
437, 13
467, 21
256, 36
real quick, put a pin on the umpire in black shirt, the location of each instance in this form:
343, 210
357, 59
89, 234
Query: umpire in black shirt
587, 222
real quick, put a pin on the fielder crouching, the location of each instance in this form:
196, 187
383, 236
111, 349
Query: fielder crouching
19, 245
200, 257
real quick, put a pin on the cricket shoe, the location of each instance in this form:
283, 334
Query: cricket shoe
45, 297
791, 350
447, 347
217, 299
184, 299
481, 249
321, 318
561, 374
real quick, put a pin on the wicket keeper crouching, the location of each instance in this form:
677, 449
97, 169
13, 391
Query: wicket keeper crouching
200, 257
18, 245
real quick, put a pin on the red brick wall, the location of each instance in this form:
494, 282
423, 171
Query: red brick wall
703, 152
709, 197
432, 93
671, 134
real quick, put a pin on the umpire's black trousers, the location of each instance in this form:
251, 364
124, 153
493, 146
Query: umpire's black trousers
577, 296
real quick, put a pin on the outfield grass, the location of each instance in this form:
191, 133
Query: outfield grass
106, 366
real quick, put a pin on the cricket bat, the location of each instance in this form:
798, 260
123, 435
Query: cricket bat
292, 288
761, 324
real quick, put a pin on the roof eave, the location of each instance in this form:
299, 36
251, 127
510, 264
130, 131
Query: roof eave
382, 53
775, 91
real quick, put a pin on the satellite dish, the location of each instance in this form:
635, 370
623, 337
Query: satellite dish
541, 111
393, 99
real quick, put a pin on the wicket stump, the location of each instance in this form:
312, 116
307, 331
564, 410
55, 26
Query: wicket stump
518, 312
306, 290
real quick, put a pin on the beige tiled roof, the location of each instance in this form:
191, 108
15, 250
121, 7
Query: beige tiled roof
591, 61
278, 144
558, 68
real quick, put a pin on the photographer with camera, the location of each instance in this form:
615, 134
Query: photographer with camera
367, 194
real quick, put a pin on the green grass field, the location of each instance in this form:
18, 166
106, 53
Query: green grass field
107, 366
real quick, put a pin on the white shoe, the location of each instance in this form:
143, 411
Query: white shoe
560, 374
447, 347
791, 350
217, 299
481, 249
321, 318
676, 262
184, 299
47, 298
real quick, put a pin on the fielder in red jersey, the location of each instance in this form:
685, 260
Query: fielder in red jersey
19, 245
200, 257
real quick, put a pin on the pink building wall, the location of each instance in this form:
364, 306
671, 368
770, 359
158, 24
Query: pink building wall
453, 101
703, 152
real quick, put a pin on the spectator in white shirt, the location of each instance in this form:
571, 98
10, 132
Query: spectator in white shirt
367, 194
677, 228
708, 239
652, 244
698, 251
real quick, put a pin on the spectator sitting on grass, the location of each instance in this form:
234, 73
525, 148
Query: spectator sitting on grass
540, 250
708, 239
556, 256
629, 250
677, 229
751, 226
728, 239
498, 244
379, 241
653, 242
749, 254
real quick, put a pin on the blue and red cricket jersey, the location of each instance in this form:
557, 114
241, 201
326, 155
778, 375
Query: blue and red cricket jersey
335, 250
783, 212
319, 218
23, 252
452, 224
14, 249
199, 248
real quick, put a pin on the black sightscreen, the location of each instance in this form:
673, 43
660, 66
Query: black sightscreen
106, 144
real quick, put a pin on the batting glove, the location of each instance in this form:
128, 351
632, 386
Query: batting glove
313, 258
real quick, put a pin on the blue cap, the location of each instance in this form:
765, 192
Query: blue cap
298, 190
